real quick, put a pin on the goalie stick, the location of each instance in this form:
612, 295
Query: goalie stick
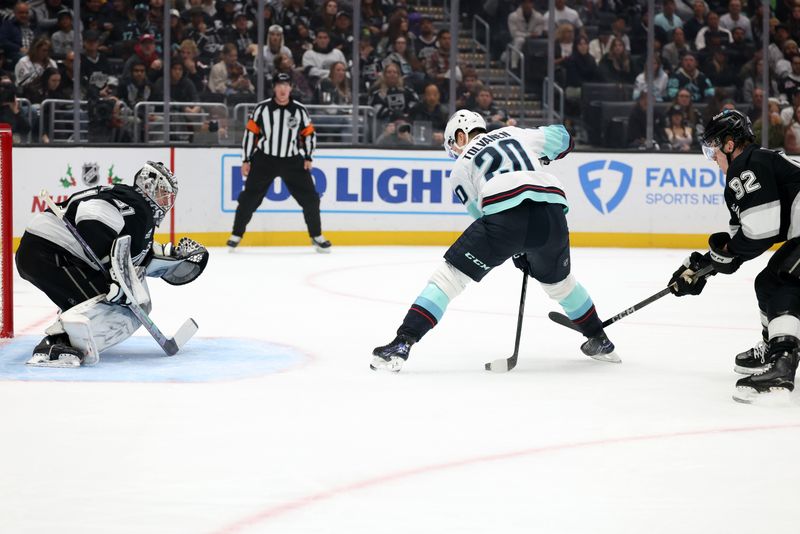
563, 320
503, 365
170, 345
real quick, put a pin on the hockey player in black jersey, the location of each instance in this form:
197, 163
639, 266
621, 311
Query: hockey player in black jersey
762, 192
93, 311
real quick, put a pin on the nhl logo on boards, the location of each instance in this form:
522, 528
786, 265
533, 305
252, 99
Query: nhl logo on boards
91, 173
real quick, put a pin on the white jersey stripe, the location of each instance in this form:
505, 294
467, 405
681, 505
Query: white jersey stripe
762, 221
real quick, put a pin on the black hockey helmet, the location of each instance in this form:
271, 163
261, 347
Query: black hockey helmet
728, 123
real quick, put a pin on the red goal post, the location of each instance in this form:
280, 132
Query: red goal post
6, 235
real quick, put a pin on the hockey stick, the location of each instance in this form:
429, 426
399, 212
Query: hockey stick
563, 320
170, 345
503, 365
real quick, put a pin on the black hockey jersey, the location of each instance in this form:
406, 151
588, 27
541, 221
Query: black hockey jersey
761, 193
101, 214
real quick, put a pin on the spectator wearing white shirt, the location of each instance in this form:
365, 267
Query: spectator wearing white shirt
599, 46
783, 66
734, 19
275, 45
712, 25
667, 19
565, 14
660, 81
525, 22
317, 61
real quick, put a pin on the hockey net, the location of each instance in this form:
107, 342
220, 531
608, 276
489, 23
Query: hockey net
6, 235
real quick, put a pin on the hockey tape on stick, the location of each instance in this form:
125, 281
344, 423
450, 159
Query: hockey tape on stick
563, 320
170, 345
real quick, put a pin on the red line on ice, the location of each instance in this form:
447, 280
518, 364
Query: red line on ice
337, 491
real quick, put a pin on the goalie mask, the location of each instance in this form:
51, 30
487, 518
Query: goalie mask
159, 186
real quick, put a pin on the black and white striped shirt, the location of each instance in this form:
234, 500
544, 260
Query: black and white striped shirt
279, 131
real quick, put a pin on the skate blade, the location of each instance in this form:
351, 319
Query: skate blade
393, 365
749, 370
67, 361
610, 357
323, 250
773, 397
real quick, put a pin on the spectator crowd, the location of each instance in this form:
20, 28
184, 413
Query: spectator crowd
708, 56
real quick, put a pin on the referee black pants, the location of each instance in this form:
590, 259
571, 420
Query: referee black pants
263, 171
65, 279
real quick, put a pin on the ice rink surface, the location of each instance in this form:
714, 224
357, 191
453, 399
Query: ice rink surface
270, 419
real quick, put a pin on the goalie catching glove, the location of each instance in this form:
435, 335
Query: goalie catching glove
178, 265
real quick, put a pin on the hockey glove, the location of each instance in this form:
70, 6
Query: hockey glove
521, 263
722, 260
684, 282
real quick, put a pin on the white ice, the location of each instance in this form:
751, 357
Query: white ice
562, 444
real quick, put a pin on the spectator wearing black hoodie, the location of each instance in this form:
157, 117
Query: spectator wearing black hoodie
135, 87
10, 112
92, 60
294, 14
431, 111
581, 67
342, 34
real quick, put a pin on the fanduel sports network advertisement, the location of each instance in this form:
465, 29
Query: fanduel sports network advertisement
390, 190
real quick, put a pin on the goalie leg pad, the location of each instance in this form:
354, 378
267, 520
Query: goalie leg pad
95, 325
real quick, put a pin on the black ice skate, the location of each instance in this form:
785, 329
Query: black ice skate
391, 357
321, 244
753, 360
600, 348
233, 242
55, 351
778, 377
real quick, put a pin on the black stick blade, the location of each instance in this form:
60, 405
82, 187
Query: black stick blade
563, 320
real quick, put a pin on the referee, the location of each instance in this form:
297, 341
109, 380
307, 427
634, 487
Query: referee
279, 141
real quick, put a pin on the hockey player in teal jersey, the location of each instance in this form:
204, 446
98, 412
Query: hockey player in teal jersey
519, 213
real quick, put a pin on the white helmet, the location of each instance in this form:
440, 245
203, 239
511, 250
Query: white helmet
159, 186
464, 120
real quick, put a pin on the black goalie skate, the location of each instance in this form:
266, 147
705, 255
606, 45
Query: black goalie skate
777, 377
55, 351
600, 348
753, 360
391, 357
